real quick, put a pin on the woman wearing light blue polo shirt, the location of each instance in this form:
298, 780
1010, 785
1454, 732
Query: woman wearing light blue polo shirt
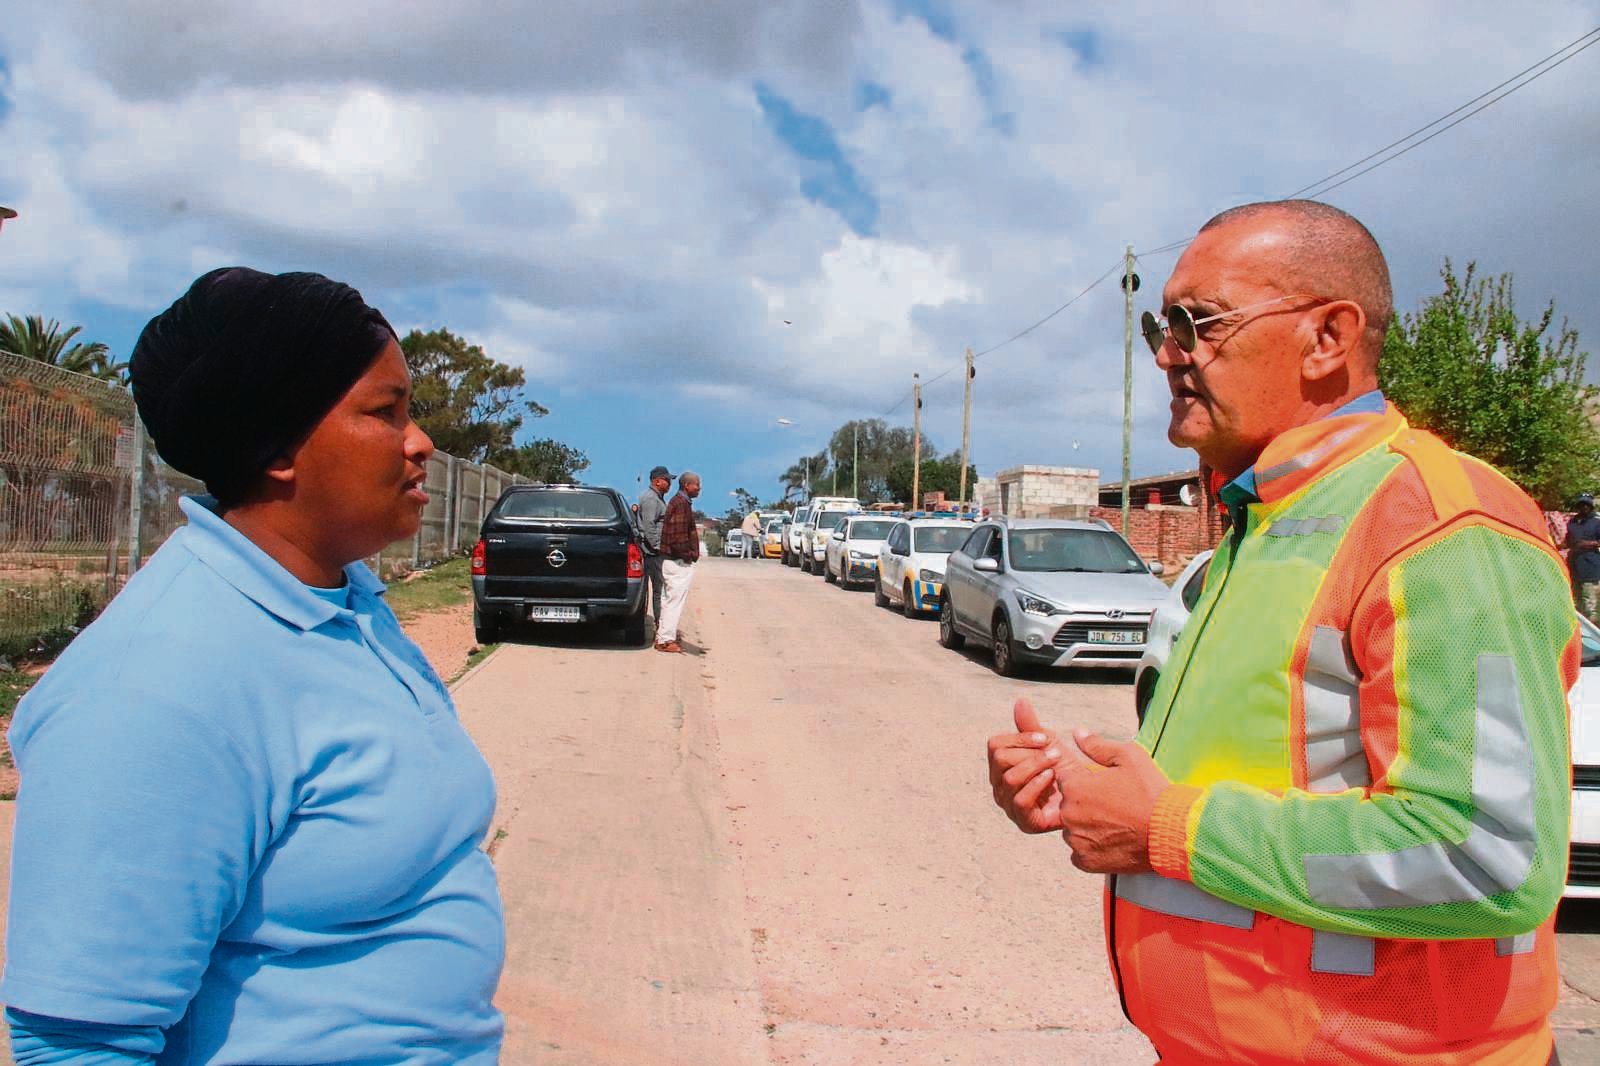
249, 828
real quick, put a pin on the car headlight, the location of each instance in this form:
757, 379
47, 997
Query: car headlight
1037, 605
930, 575
855, 554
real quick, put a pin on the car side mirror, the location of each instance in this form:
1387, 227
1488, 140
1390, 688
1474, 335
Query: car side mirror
902, 551
1156, 568
986, 565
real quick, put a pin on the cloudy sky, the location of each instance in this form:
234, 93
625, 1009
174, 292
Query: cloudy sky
687, 220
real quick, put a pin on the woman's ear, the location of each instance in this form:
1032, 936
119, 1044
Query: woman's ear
280, 470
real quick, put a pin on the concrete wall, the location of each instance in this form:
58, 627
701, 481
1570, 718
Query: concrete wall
1047, 491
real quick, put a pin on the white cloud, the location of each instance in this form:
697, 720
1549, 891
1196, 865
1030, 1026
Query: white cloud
592, 190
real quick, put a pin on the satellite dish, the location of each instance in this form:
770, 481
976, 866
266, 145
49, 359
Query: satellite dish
1188, 495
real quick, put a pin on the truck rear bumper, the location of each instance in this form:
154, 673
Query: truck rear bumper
594, 609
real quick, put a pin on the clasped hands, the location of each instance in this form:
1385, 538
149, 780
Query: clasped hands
1099, 793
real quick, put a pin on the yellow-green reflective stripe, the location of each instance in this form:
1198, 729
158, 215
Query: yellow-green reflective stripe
1498, 851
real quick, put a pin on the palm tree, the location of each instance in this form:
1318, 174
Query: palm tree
805, 471
32, 338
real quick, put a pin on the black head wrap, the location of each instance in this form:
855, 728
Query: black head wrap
244, 365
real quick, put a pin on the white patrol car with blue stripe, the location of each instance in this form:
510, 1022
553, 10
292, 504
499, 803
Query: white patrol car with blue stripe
912, 559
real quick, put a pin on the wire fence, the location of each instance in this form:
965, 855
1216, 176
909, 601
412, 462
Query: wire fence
84, 501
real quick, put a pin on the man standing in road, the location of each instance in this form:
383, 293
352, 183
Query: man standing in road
1341, 833
648, 513
1583, 557
752, 535
680, 548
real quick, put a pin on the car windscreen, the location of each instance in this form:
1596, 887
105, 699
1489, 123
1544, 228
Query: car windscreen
1082, 550
829, 519
559, 505
875, 529
775, 526
939, 540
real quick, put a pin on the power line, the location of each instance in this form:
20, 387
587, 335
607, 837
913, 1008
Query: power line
1457, 122
1517, 81
1449, 114
1580, 43
1052, 314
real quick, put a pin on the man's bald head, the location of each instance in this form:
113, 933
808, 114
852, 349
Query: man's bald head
1328, 253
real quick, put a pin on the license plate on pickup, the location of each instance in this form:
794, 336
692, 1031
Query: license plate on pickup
1116, 636
555, 614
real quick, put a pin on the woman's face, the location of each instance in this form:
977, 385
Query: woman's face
359, 474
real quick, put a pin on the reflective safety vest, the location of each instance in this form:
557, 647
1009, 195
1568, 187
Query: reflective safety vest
1365, 720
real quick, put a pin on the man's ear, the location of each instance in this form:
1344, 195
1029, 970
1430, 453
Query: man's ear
1339, 327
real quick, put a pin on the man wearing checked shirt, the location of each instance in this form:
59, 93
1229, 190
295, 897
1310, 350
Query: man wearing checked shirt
1341, 833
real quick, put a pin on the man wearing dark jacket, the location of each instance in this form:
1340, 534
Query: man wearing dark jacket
648, 513
680, 550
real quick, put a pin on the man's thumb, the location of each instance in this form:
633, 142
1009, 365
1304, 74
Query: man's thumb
1026, 717
1103, 751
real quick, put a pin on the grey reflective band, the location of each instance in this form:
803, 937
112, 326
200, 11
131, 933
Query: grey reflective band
1311, 458
1304, 527
1521, 944
1335, 758
1498, 851
1182, 900
1343, 953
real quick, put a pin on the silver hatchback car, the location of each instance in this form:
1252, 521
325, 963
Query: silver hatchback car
1051, 592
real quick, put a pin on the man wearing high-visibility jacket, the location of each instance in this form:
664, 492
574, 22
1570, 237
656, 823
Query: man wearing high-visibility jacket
1341, 833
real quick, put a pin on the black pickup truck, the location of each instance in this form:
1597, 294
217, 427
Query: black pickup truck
558, 554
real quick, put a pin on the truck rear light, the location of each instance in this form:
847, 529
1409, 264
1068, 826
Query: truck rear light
480, 559
635, 561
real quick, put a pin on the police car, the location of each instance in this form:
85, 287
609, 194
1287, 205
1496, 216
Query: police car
912, 559
852, 549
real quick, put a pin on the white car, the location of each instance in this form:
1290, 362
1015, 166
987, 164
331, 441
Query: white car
1164, 627
814, 547
912, 560
1583, 868
733, 544
793, 535
852, 549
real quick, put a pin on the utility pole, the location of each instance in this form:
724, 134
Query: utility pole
855, 464
916, 441
966, 429
1129, 282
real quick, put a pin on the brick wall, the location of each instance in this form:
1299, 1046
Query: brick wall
1170, 534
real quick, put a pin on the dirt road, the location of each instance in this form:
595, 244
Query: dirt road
784, 850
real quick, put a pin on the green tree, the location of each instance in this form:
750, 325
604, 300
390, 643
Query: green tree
470, 404
33, 338
1507, 391
747, 501
879, 446
795, 479
938, 475
542, 460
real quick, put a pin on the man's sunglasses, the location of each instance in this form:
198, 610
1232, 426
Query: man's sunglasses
1183, 326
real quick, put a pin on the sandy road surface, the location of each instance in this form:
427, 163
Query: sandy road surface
784, 851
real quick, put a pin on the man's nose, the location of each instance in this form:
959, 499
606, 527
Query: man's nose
1169, 355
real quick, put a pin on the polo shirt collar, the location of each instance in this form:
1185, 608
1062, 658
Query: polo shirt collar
1301, 455
241, 563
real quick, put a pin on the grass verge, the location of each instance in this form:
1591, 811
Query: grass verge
14, 684
446, 585
480, 652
